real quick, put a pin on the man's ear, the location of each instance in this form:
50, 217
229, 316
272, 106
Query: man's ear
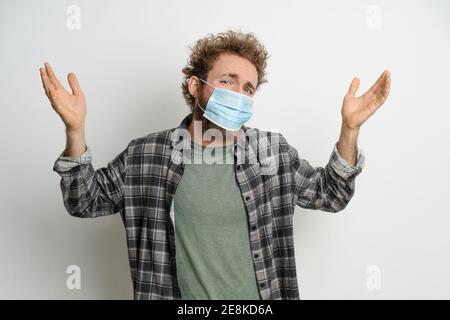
193, 86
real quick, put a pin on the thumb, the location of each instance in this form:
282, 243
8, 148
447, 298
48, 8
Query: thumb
353, 87
73, 82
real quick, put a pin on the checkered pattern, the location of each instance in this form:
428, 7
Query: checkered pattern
141, 181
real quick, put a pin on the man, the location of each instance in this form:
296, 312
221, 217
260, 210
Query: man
234, 234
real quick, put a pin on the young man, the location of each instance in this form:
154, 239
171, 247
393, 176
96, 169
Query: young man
231, 189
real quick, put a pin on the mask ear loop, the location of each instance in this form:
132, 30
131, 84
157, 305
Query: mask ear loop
207, 84
200, 107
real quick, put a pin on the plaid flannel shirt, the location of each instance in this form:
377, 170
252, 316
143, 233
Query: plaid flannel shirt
141, 181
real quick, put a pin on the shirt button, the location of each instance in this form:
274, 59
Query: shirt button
253, 227
262, 285
238, 168
256, 255
247, 198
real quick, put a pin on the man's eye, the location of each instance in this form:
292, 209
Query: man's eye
249, 91
223, 81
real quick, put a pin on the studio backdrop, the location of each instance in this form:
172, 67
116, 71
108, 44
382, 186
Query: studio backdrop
392, 239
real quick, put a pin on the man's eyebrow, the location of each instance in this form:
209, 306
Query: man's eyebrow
236, 76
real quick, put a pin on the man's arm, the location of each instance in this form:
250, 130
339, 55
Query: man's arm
90, 193
86, 192
356, 110
328, 188
332, 187
348, 144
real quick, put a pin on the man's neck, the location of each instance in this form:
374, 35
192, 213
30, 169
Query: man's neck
197, 132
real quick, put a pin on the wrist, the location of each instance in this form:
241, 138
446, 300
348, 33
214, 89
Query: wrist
347, 144
77, 132
348, 132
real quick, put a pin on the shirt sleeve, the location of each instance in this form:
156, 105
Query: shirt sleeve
328, 188
63, 164
345, 169
90, 193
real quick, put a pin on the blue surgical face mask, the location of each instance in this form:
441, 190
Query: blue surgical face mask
228, 109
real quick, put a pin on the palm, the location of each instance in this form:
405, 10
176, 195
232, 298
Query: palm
356, 110
70, 107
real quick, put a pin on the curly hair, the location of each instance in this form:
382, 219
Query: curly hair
206, 51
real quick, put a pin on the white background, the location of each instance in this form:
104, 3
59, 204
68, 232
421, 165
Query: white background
128, 56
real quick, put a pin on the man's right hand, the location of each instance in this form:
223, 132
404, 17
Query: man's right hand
71, 107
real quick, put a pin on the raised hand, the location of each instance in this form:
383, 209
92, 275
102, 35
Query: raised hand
71, 107
356, 110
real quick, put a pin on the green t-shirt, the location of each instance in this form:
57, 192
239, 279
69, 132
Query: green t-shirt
212, 235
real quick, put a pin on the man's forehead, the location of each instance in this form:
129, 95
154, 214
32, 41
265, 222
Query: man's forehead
234, 66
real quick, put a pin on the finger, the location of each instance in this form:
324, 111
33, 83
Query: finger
52, 96
381, 95
382, 90
354, 85
387, 81
45, 81
378, 85
73, 82
51, 75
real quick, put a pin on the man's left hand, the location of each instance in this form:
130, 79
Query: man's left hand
356, 110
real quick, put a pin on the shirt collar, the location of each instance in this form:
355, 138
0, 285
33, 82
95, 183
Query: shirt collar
182, 128
179, 141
